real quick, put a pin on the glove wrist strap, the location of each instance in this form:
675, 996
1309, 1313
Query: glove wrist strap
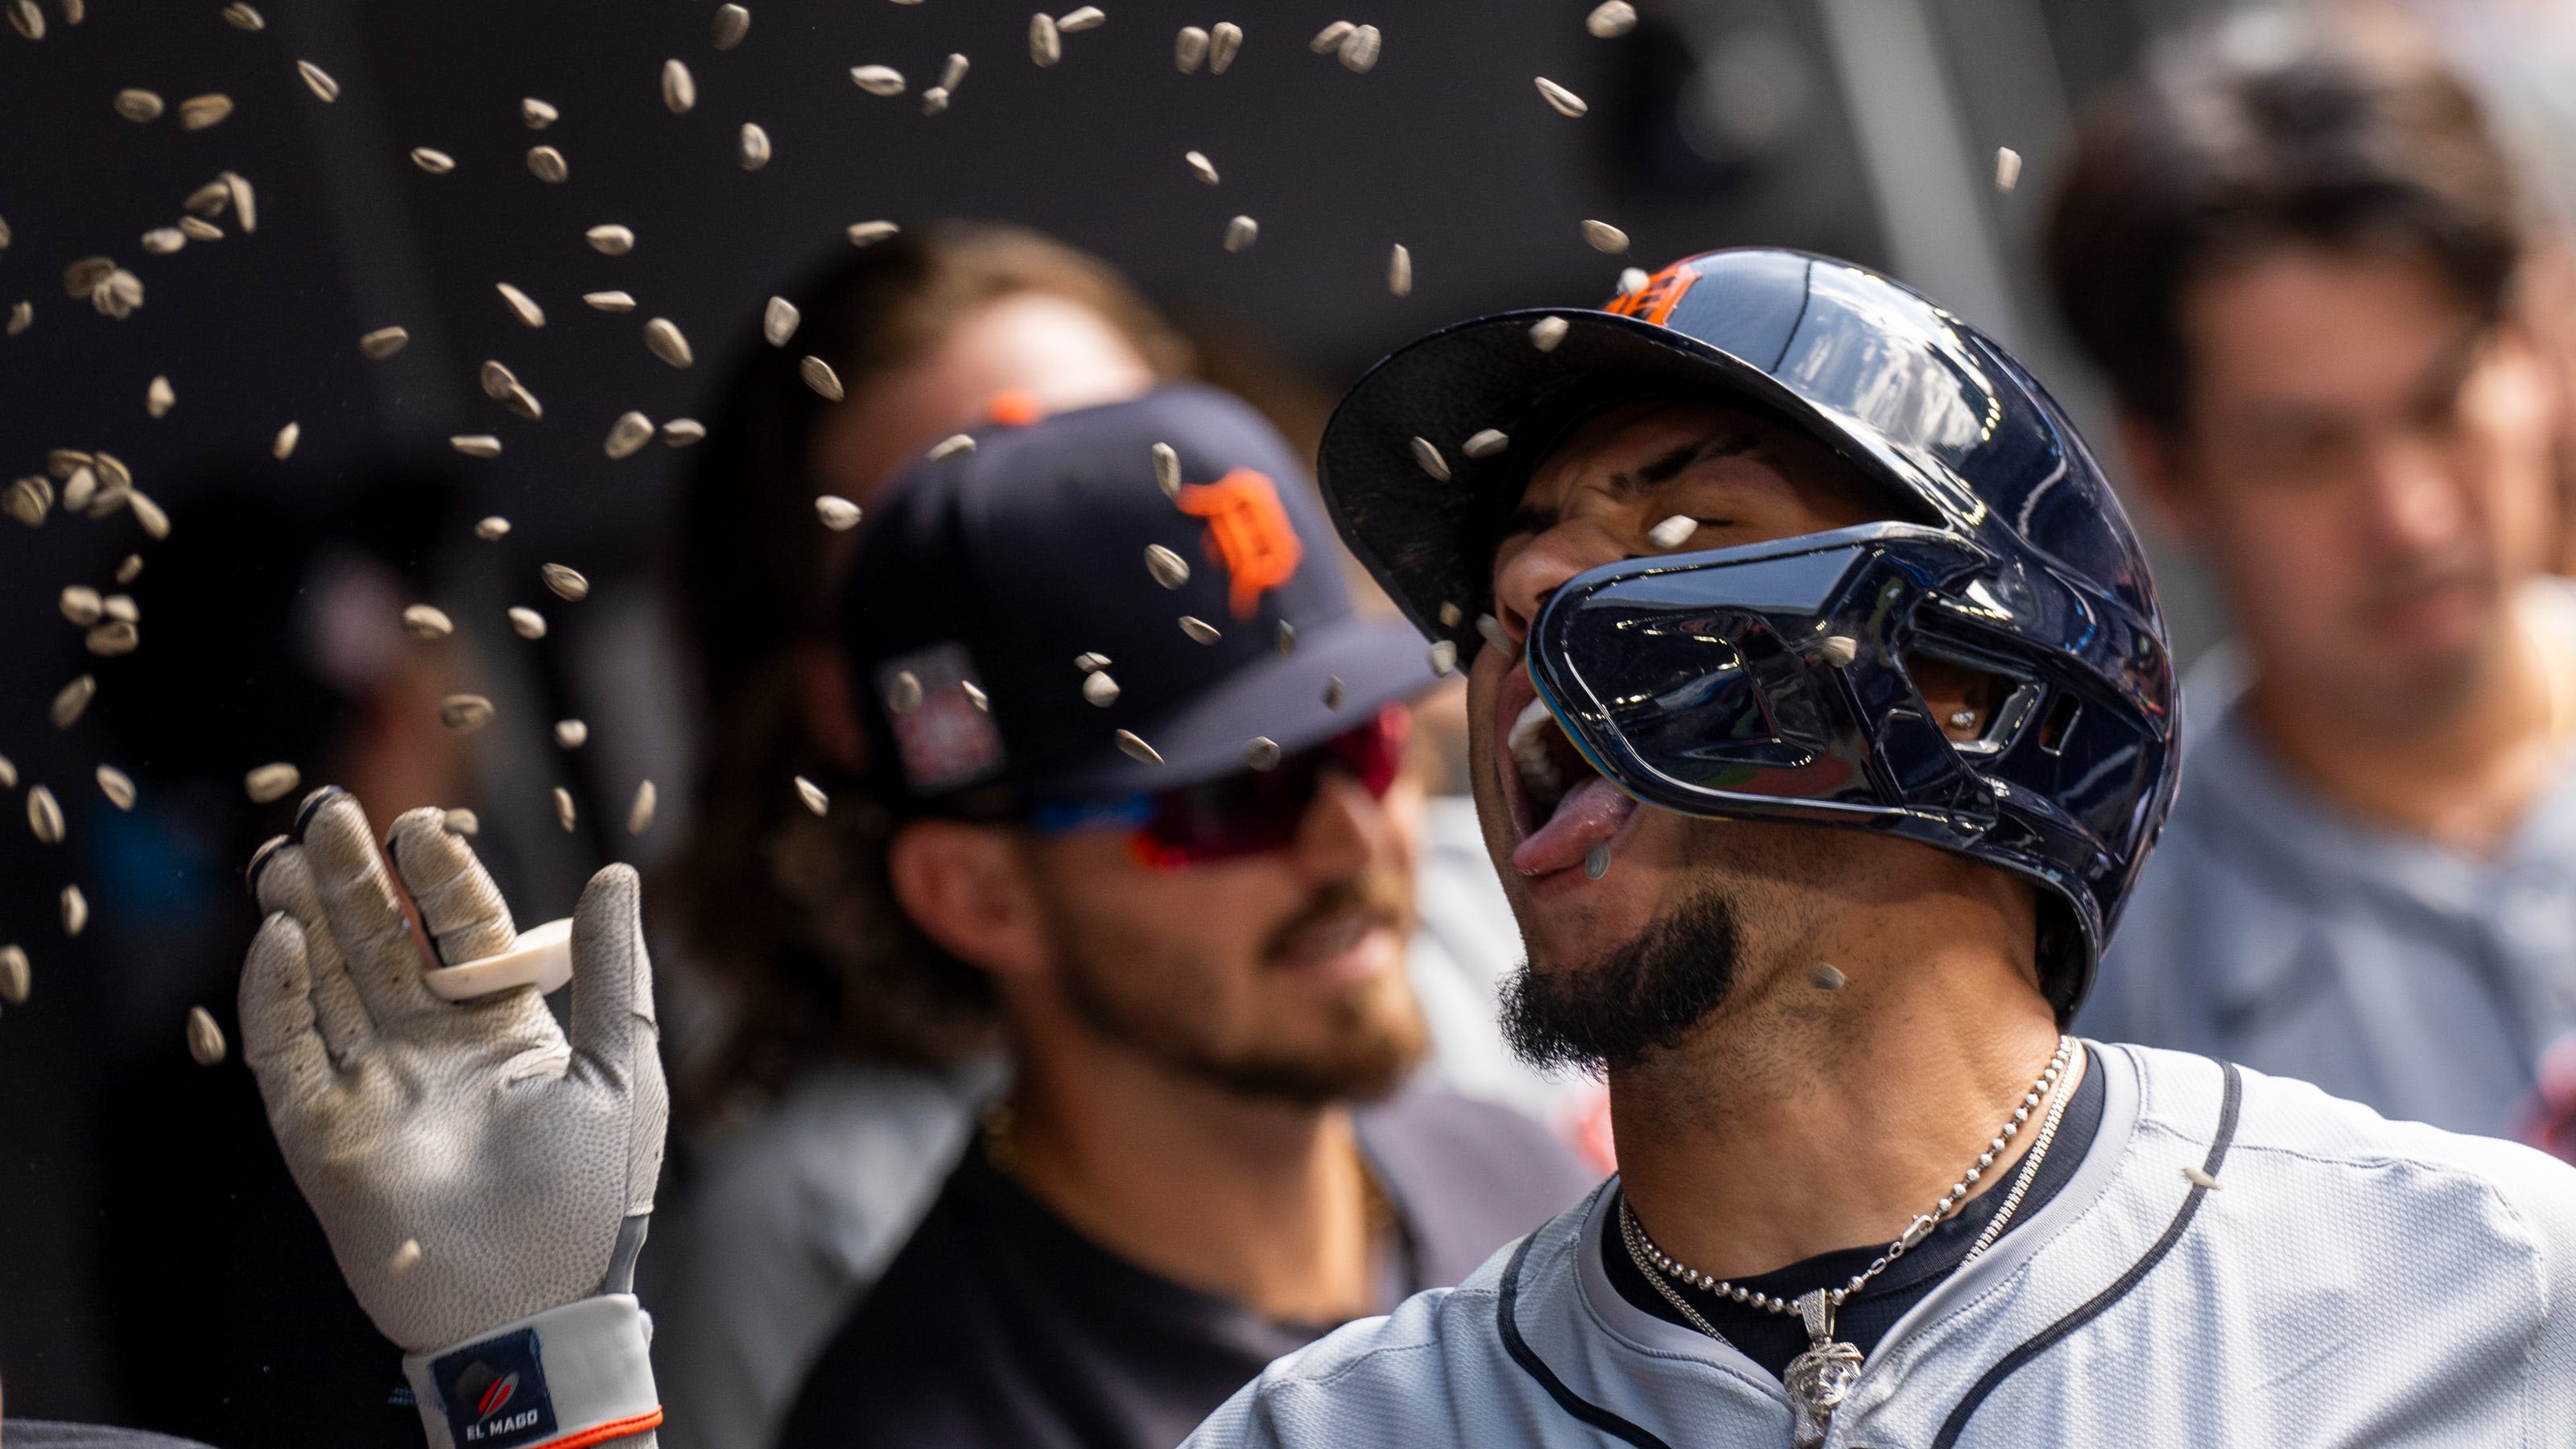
567, 1378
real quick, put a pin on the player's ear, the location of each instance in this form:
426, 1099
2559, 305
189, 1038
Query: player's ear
968, 888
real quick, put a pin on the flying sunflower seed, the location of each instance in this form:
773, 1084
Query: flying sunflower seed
903, 694
1827, 977
138, 105
130, 570
242, 17
210, 199
1486, 444
160, 397
496, 380
196, 229
271, 782
865, 233
245, 201
1330, 38
610, 240
155, 522
15, 977
1261, 752
522, 306
877, 80
491, 528
1189, 48
1333, 692
838, 514
1099, 689
1399, 271
1546, 332
732, 23
464, 712
679, 88
778, 321
1673, 532
1359, 49
547, 164
952, 71
70, 700
813, 796
753, 147
1611, 19
75, 911
1601, 236
1428, 458
119, 295
571, 734
1073, 22
1444, 658
975, 695
2007, 169
1046, 46
196, 113
662, 338
476, 445
1136, 749
2200, 1176
610, 301
84, 276
819, 376
432, 160
639, 816
950, 447
564, 813
427, 621
22, 315
116, 785
1200, 166
81, 604
1167, 470
1088, 662
934, 100
681, 432
120, 606
1199, 630
61, 461
1451, 616
566, 583
29, 500
1632, 279
384, 342
318, 81
1224, 39
537, 113
44, 817
28, 20
114, 638
1491, 630
404, 1258
1168, 568
527, 623
8, 774
1839, 650
115, 474
1241, 232
631, 431
461, 822
1566, 102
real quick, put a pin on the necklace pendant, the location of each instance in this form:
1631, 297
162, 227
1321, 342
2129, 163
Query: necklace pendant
1817, 1381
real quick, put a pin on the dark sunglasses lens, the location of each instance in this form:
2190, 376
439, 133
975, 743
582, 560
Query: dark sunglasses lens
1253, 811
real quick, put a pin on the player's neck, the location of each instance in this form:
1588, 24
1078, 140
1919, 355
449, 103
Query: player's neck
1262, 1201
1801, 1120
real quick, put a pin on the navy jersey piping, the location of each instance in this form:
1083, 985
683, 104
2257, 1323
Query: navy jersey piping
1536, 1367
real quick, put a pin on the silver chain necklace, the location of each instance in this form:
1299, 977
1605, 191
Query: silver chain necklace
1819, 1379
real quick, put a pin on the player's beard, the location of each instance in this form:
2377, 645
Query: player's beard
1646, 995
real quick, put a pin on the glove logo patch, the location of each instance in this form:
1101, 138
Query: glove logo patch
495, 1392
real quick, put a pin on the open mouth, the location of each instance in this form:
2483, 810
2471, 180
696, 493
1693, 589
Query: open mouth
1566, 811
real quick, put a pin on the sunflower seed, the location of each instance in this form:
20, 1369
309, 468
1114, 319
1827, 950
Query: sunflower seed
950, 447
1136, 749
819, 376
476, 445
80, 491
1827, 977
491, 528
245, 201
130, 570
1486, 443
242, 17
662, 338
679, 88
404, 1258
565, 816
75, 911
1261, 752
138, 105
838, 514
461, 822
196, 113
1428, 458
84, 276
1330, 38
8, 774
1546, 332
1167, 471
732, 23
463, 712
1611, 19
1199, 630
1673, 532
119, 295
1285, 637
631, 431
571, 734
159, 397
29, 500
639, 816
210, 199
111, 639
435, 162
865, 233
1490, 629
1632, 280
975, 695
1839, 650
496, 380
1444, 658
754, 147
610, 301
29, 21
1223, 41
198, 230
70, 700
547, 164
384, 342
112, 472
120, 606
611, 240
1359, 49
1333, 692
877, 80
427, 621
903, 694
283, 445
22, 314
74, 11
952, 71
318, 81
934, 100
1200, 166
271, 782
1073, 22
61, 461
778, 321
1089, 662
522, 306
1399, 271
116, 785
1046, 46
1601, 236
527, 623
1099, 689
681, 432
813, 796
155, 522
2007, 169
81, 604
1168, 568
1451, 616
2199, 1176
1241, 232
15, 977
1189, 48
537, 113
44, 817
564, 582
1596, 861
1566, 102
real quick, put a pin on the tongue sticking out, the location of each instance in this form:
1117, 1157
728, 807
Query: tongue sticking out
1589, 814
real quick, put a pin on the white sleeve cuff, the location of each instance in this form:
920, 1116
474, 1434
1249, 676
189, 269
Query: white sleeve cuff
567, 1378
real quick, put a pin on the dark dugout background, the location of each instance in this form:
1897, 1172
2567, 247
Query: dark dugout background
156, 1267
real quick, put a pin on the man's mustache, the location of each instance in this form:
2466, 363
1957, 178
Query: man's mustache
1383, 901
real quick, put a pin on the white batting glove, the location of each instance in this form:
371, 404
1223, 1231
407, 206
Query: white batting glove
484, 1183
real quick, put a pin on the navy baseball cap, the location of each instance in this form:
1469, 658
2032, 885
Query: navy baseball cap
1013, 609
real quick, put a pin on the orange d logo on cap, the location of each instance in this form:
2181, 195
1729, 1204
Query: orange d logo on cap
1248, 532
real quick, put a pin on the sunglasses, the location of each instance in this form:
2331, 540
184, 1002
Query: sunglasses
1249, 812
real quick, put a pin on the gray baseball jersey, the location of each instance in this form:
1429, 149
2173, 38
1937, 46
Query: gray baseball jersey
2349, 1281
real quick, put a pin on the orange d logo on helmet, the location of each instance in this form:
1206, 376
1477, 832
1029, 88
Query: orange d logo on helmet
1654, 301
1248, 532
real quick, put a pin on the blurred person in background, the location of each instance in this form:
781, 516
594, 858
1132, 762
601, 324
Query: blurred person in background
2297, 258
